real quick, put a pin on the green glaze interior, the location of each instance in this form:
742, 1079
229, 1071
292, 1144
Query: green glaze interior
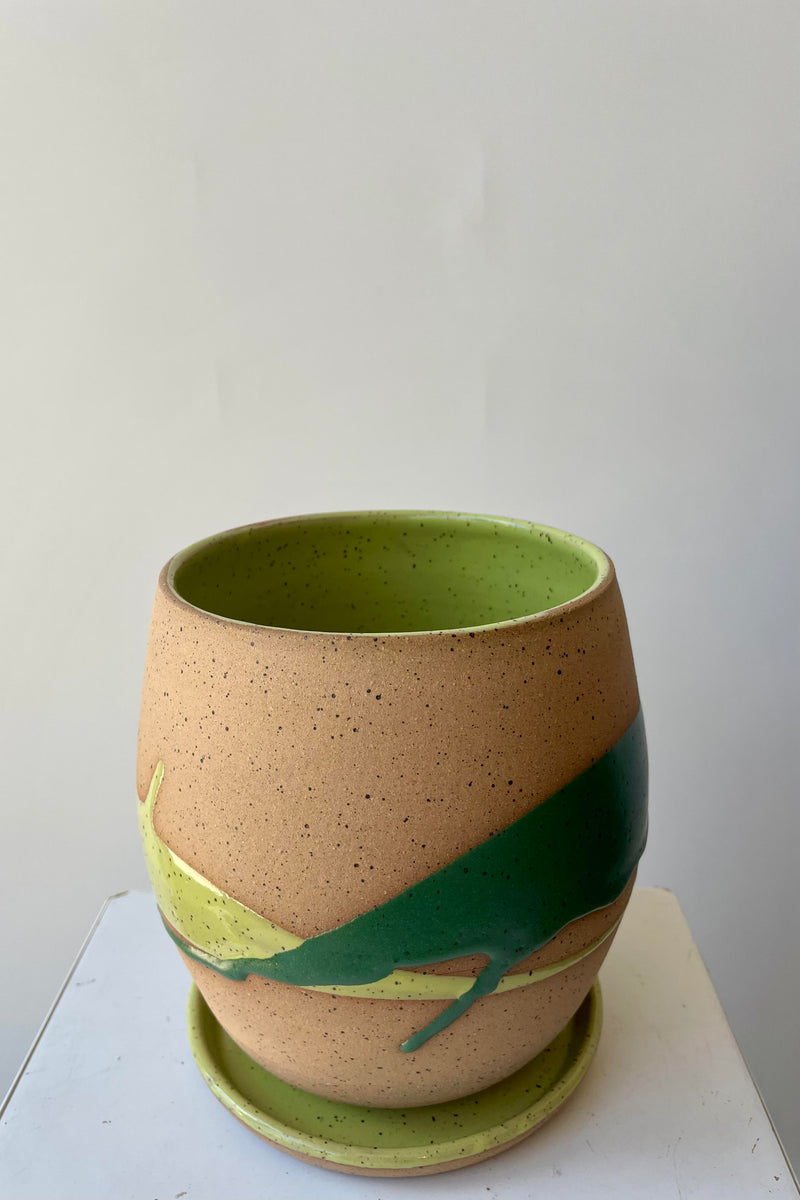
386, 572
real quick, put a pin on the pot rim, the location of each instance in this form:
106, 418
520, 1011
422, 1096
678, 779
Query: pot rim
602, 563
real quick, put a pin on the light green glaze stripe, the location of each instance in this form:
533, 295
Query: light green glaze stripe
400, 985
214, 929
202, 913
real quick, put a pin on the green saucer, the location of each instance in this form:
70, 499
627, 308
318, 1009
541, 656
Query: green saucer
394, 1141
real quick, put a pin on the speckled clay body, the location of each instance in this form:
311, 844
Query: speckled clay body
343, 706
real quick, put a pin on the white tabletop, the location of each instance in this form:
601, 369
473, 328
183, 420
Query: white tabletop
111, 1106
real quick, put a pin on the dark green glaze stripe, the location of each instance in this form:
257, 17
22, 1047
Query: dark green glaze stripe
572, 854
232, 968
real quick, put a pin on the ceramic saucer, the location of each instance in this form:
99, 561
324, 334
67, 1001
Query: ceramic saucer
393, 1141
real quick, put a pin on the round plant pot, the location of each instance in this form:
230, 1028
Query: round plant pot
392, 782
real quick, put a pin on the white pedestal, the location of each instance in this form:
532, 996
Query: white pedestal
110, 1105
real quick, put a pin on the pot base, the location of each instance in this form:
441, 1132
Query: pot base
394, 1141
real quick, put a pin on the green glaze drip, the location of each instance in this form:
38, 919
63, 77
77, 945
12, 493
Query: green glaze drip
569, 856
572, 854
400, 985
212, 928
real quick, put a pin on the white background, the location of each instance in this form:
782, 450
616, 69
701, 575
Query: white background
538, 259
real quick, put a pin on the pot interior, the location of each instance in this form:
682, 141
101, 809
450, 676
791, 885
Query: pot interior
394, 572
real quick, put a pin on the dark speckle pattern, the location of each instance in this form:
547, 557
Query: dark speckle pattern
385, 572
411, 1140
569, 856
266, 784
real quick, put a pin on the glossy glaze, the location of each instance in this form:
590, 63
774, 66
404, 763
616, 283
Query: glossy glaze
213, 929
506, 898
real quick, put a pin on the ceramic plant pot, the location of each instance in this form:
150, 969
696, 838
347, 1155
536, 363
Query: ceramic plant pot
392, 783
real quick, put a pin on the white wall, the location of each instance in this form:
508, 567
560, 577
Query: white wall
538, 259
